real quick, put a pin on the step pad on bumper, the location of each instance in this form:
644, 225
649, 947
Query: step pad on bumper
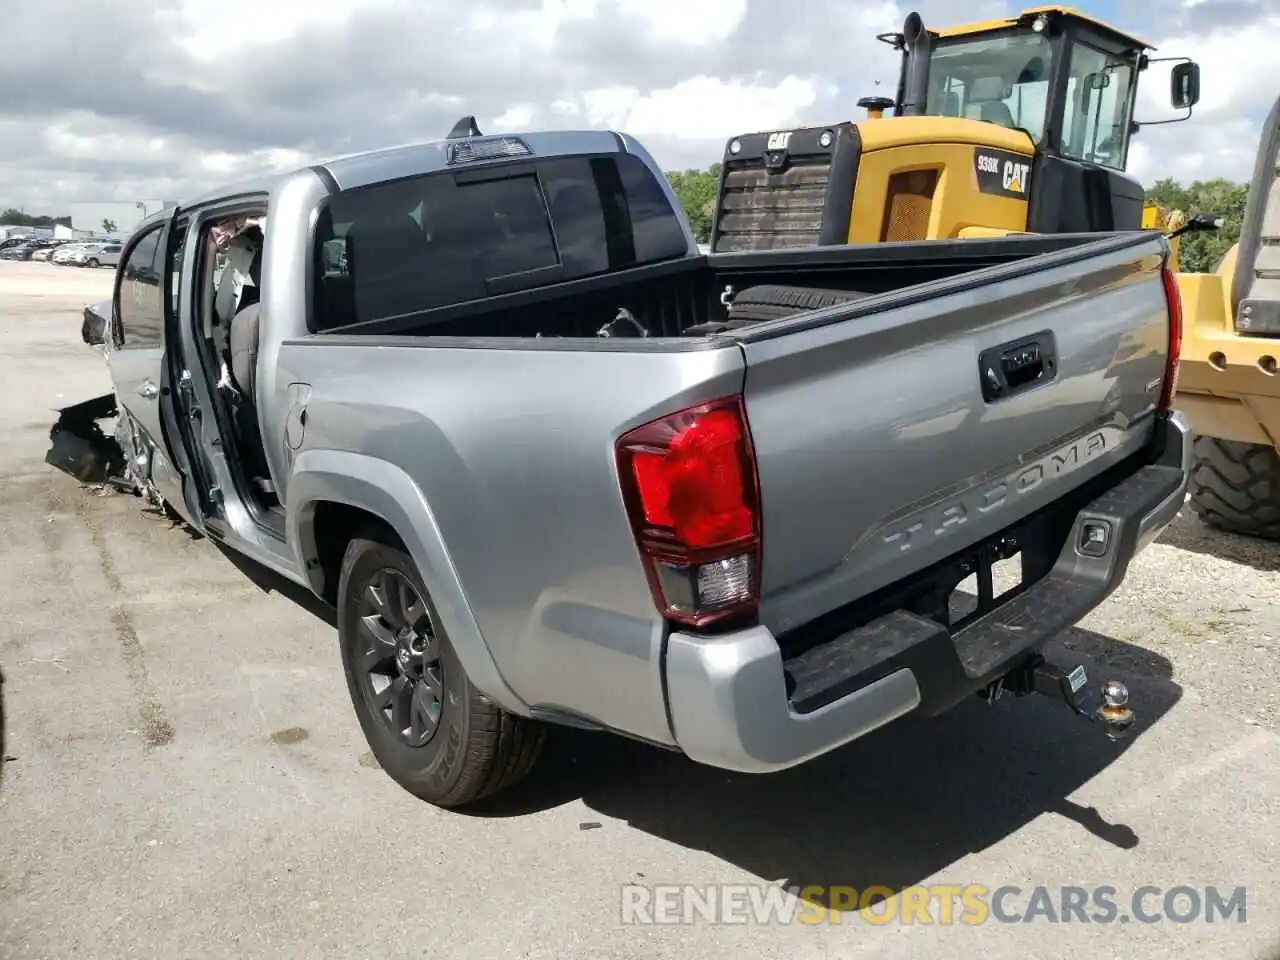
950, 666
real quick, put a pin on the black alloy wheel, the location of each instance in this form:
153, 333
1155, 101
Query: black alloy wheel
426, 724
401, 673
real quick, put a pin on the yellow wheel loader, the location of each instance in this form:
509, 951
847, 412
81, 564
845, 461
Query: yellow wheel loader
1228, 384
1024, 125
1014, 125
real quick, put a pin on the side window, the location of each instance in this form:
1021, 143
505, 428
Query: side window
658, 234
1095, 125
140, 302
588, 231
610, 213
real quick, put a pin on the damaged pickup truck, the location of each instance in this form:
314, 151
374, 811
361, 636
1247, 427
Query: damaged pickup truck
549, 464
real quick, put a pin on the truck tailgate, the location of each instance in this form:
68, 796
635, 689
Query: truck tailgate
880, 451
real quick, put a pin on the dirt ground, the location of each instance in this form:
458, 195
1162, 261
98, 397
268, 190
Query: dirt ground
184, 775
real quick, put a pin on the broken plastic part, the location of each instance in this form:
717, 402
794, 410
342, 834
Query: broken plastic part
617, 327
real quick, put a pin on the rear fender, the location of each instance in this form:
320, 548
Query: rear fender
386, 491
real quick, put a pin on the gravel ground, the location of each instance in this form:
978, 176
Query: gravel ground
188, 779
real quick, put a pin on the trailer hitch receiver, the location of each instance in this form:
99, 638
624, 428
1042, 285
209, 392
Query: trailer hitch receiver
1107, 707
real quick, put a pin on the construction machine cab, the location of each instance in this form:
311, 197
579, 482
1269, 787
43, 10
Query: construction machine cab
1017, 124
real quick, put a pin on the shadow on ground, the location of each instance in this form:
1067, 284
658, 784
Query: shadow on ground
901, 805
268, 581
890, 810
1189, 532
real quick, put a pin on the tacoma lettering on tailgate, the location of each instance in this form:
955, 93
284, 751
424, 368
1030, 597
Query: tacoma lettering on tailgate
947, 516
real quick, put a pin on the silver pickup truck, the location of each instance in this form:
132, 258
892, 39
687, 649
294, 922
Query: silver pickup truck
547, 463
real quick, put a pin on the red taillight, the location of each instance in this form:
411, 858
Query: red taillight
689, 484
1174, 296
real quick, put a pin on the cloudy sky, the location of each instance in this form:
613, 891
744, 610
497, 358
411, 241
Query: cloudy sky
127, 99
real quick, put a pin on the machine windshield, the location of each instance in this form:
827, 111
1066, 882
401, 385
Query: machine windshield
1000, 79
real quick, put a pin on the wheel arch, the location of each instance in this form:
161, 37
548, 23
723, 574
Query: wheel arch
334, 496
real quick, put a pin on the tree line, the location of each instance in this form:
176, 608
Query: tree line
16, 218
1198, 252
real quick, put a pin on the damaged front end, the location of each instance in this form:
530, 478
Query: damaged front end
81, 448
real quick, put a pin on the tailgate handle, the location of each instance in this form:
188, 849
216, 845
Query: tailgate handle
1019, 365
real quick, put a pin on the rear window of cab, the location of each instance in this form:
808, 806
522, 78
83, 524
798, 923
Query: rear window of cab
422, 243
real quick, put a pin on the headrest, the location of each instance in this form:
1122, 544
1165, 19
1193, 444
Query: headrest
988, 90
997, 112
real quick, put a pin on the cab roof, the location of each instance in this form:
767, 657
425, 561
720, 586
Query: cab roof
420, 157
1004, 23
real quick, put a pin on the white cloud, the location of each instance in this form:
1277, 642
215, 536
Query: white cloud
198, 91
700, 108
210, 30
1240, 79
89, 138
694, 24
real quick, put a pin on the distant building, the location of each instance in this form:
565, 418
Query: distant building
8, 230
115, 218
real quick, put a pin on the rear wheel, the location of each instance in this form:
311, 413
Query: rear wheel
772, 301
1236, 486
431, 731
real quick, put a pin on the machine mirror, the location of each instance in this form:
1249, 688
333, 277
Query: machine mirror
1185, 86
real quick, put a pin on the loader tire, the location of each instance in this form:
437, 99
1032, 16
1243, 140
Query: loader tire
1236, 486
772, 301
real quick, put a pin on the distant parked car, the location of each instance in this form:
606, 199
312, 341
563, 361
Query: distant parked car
23, 251
63, 254
106, 254
8, 242
48, 251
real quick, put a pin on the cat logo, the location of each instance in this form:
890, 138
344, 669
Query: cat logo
778, 141
1015, 176
1002, 173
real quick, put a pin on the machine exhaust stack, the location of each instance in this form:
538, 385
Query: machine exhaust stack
917, 45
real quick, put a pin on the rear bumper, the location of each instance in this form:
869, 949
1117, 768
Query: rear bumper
736, 704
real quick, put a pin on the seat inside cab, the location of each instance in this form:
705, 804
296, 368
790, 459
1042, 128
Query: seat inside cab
233, 329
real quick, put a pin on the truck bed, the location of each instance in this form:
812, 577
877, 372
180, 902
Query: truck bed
669, 298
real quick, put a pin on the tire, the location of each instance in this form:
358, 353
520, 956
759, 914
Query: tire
772, 301
1236, 486
477, 749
